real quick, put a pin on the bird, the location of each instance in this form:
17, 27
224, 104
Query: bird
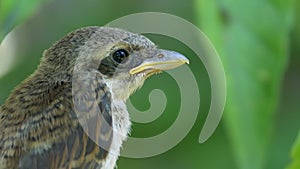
70, 113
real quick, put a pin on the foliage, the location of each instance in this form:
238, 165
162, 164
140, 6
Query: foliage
12, 12
252, 37
296, 155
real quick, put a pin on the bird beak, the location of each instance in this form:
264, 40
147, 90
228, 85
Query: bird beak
163, 60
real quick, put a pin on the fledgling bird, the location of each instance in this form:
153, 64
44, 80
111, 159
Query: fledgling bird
71, 112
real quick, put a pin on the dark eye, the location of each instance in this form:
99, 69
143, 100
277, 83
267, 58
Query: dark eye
120, 56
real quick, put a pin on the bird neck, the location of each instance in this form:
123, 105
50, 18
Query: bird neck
35, 91
119, 92
121, 89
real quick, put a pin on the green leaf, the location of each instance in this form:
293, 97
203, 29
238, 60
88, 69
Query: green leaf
252, 39
296, 155
12, 12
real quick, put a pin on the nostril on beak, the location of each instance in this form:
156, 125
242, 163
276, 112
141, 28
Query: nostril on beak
160, 55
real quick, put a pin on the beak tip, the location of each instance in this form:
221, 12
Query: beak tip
181, 57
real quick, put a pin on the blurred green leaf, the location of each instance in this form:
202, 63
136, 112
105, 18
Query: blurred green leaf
252, 39
296, 155
12, 12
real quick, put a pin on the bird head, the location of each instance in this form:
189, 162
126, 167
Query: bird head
124, 60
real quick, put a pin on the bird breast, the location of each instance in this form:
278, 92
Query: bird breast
121, 128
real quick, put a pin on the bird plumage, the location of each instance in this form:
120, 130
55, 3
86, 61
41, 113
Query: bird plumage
71, 112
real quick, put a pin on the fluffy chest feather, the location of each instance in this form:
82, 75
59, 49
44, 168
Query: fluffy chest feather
121, 128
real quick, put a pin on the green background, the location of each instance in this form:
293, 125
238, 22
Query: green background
258, 42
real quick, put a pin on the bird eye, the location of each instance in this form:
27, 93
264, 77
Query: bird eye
120, 56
